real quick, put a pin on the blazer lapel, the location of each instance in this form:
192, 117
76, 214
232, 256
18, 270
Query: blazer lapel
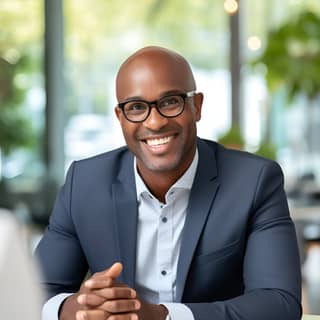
126, 213
201, 197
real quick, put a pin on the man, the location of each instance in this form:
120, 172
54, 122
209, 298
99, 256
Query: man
171, 226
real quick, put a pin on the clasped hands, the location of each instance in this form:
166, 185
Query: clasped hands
101, 297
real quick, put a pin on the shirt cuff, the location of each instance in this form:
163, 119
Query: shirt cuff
51, 307
178, 311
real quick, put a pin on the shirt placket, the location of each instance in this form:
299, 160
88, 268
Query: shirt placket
165, 251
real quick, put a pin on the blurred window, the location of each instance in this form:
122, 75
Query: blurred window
22, 98
100, 34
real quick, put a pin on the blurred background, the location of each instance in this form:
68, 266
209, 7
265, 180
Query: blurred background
257, 63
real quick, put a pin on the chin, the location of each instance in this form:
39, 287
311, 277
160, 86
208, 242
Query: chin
162, 166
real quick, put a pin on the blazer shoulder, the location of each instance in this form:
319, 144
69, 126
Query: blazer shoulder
104, 164
109, 156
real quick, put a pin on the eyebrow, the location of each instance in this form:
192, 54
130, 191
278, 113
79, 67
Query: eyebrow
163, 94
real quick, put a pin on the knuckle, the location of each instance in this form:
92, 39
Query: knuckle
85, 299
110, 306
112, 293
133, 304
129, 316
118, 306
126, 292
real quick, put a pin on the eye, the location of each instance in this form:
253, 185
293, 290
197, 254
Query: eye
135, 107
171, 101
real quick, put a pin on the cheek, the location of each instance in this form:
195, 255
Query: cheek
128, 130
188, 122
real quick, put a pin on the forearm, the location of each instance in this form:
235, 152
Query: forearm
69, 308
153, 311
51, 308
262, 304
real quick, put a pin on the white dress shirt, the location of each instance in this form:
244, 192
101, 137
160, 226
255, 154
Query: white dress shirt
160, 228
159, 232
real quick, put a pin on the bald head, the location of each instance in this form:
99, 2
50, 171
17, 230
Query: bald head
153, 69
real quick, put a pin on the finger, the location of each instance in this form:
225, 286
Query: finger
101, 315
99, 283
107, 275
119, 306
116, 293
127, 316
89, 299
114, 271
91, 315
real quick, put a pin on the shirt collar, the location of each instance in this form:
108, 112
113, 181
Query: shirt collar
184, 182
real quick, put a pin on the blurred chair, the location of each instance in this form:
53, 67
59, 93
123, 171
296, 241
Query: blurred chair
20, 295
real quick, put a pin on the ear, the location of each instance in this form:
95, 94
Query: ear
198, 100
118, 112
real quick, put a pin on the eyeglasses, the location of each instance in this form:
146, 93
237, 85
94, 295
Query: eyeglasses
169, 107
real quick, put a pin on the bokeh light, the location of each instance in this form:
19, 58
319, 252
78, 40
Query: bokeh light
231, 6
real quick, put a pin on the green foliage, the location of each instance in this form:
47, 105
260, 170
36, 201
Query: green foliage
292, 56
267, 150
15, 127
15, 130
10, 92
232, 138
18, 57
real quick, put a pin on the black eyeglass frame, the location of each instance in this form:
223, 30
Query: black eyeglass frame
155, 103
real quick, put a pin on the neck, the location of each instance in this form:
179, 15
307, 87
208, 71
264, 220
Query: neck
159, 182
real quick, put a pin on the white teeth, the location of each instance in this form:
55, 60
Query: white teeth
156, 142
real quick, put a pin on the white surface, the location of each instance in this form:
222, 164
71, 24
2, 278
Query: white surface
20, 296
305, 213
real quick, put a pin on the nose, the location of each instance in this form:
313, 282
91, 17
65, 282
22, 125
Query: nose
155, 120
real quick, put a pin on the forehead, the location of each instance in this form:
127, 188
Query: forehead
150, 75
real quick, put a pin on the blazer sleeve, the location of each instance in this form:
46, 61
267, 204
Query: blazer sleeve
59, 253
271, 268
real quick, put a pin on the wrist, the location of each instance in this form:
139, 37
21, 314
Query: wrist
163, 312
153, 311
69, 307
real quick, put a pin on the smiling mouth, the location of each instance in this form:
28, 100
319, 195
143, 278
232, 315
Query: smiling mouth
158, 142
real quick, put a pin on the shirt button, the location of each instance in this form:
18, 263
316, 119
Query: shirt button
161, 206
164, 219
163, 272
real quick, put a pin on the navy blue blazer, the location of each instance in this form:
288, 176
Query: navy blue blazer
238, 259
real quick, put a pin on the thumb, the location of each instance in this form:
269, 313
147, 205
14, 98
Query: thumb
114, 271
